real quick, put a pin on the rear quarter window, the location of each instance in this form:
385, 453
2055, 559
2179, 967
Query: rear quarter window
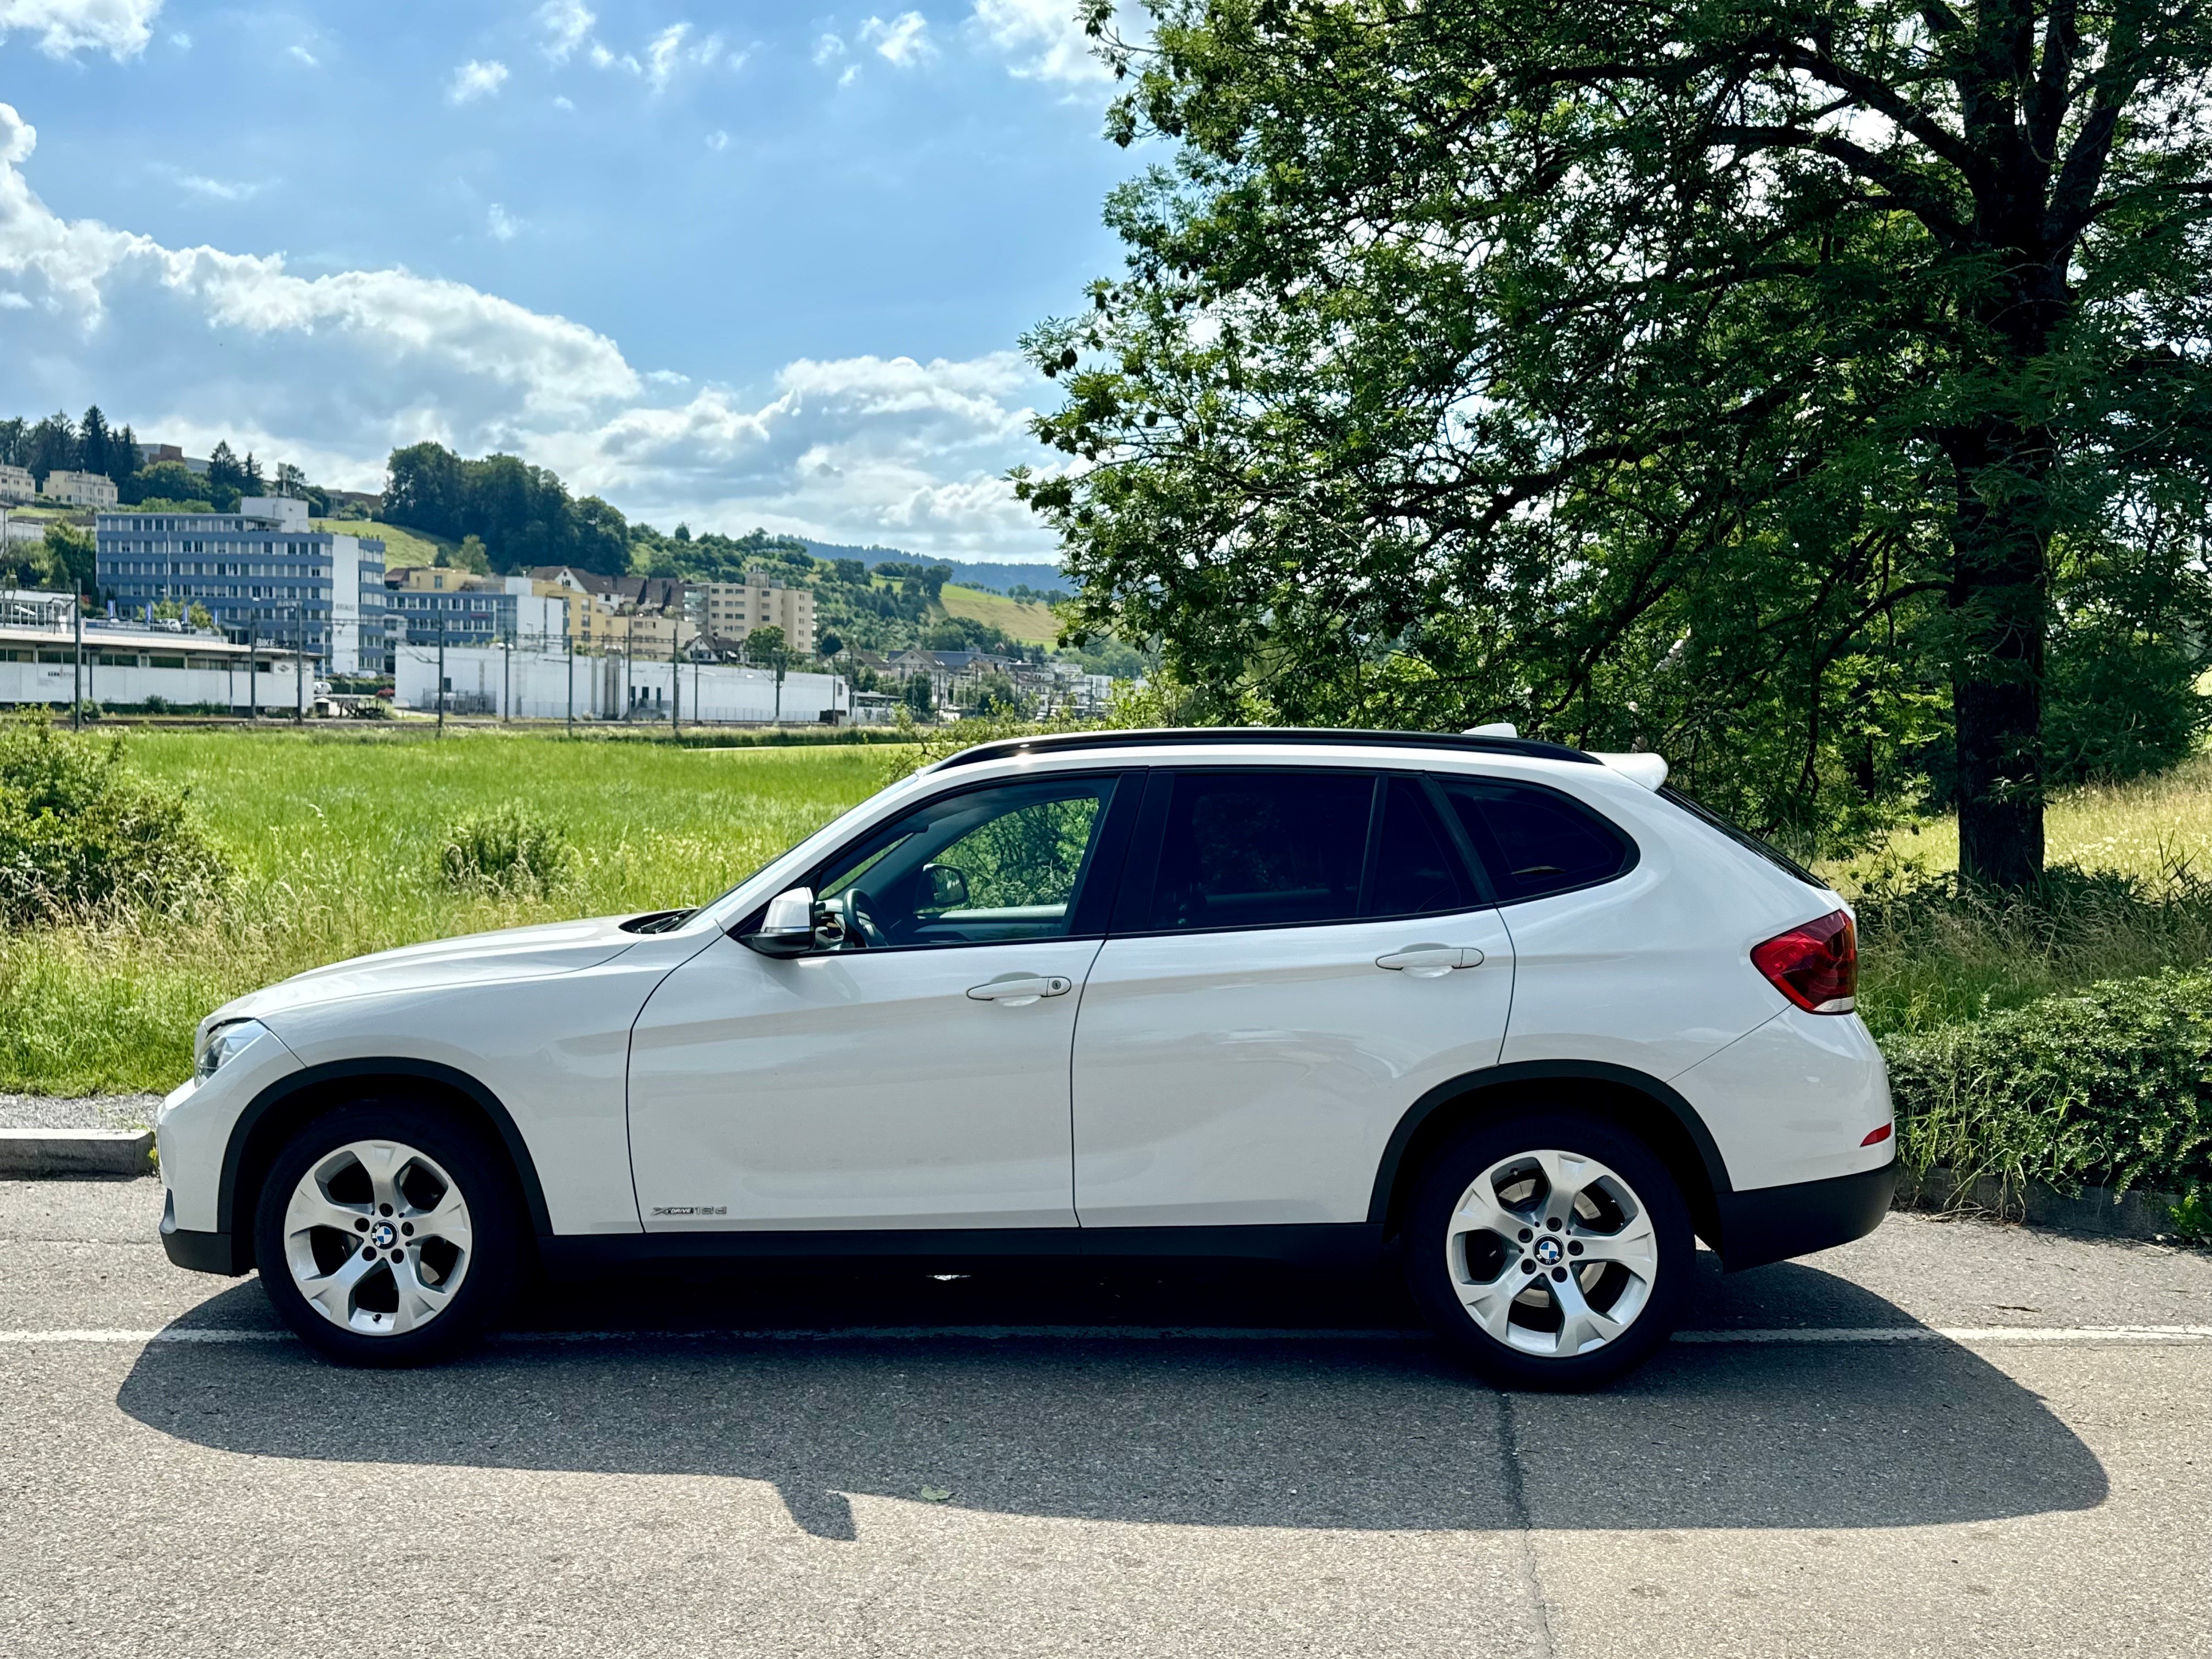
1534, 841
1740, 836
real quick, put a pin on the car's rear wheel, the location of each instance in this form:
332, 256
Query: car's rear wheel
387, 1234
1551, 1249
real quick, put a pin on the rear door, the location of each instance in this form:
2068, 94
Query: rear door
1299, 954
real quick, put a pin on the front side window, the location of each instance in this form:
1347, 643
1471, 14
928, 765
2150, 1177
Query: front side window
1535, 841
983, 867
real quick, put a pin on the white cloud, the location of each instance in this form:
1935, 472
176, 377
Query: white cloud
548, 363
904, 41
826, 50
118, 27
502, 224
565, 103
718, 140
300, 54
476, 79
566, 25
218, 189
1042, 39
854, 449
852, 74
334, 371
667, 52
661, 54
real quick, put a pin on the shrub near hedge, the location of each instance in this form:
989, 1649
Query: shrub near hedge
83, 836
2111, 1086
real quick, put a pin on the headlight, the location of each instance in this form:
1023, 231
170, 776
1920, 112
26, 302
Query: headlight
222, 1044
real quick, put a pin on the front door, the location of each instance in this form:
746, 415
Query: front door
914, 1074
1309, 958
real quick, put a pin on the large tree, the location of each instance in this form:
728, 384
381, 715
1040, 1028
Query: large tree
1778, 384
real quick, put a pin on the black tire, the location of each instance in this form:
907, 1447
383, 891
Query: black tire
495, 1259
1444, 1261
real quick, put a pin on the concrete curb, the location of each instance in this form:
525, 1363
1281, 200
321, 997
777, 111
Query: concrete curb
35, 1154
2099, 1211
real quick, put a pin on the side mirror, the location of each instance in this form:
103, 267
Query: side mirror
787, 930
948, 887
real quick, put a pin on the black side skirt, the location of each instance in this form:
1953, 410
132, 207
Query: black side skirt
1339, 1246
1773, 1224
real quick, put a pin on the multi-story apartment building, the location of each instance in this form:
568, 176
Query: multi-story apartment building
79, 488
731, 610
644, 617
16, 483
262, 573
428, 602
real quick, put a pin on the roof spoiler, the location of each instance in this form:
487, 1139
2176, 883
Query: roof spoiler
1648, 769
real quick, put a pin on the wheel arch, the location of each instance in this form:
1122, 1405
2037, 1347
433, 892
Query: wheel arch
289, 1104
1641, 1103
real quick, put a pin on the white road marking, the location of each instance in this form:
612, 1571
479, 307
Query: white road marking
1970, 1335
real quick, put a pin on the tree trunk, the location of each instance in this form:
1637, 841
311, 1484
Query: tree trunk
1999, 602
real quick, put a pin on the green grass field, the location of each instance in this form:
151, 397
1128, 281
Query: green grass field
1033, 623
335, 840
1924, 963
400, 546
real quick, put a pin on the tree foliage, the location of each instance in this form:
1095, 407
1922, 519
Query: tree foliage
1812, 390
523, 514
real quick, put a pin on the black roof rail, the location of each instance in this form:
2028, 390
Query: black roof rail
1289, 736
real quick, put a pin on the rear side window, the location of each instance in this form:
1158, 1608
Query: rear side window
1260, 849
1535, 841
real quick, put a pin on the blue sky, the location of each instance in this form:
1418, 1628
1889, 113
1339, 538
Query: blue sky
735, 264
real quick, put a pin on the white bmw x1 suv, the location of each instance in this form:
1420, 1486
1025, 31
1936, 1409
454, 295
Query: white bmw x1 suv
1513, 1013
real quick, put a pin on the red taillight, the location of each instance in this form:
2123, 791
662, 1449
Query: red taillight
1875, 1137
1816, 965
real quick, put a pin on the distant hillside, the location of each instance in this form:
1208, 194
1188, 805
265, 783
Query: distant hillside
1018, 619
400, 546
992, 577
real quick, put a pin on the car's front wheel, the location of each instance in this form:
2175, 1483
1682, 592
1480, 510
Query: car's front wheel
1551, 1249
388, 1234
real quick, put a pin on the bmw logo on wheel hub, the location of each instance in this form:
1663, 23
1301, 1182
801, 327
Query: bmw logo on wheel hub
1548, 1252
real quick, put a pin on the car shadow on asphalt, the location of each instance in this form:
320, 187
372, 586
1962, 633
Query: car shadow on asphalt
817, 1384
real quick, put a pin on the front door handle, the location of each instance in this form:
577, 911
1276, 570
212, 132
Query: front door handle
1019, 990
1431, 961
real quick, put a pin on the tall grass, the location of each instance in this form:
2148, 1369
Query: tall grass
338, 845
2128, 892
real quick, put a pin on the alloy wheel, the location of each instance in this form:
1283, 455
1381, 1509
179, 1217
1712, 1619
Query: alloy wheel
1551, 1253
377, 1238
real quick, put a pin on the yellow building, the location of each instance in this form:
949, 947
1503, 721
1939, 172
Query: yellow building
733, 609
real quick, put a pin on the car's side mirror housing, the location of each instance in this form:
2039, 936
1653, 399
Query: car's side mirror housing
787, 929
948, 886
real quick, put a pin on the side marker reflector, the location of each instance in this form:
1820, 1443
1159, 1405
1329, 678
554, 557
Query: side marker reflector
1875, 1137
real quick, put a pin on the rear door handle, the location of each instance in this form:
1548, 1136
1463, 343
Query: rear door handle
1431, 961
1019, 990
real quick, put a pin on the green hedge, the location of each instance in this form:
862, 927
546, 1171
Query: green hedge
2111, 1086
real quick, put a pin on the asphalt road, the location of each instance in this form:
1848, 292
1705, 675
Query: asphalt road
1821, 1469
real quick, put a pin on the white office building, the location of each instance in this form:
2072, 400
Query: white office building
264, 574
